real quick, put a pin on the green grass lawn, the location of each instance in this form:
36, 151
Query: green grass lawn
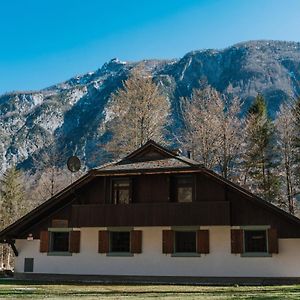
19, 290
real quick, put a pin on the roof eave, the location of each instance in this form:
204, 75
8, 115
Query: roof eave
45, 206
253, 197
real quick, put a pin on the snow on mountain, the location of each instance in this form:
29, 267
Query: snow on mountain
74, 113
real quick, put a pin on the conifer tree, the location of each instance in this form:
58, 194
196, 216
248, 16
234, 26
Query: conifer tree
12, 200
259, 157
12, 206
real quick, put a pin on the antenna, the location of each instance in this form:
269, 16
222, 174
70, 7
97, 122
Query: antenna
73, 164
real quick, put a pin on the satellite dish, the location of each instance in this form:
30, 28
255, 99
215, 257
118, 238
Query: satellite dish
73, 164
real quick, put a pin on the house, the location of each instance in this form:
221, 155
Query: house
155, 214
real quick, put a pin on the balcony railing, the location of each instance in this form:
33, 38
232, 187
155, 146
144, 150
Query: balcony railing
151, 214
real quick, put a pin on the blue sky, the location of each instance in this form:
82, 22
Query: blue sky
43, 42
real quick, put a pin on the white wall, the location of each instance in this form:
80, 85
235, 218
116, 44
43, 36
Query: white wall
219, 262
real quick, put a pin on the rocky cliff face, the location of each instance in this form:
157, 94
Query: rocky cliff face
72, 115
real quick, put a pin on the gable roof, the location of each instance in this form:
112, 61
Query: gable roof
148, 146
136, 161
150, 156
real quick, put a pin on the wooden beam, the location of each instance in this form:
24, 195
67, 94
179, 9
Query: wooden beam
13, 247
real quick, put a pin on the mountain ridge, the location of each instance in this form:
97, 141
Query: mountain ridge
72, 114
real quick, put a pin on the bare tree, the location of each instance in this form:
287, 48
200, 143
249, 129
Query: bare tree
137, 112
296, 139
285, 131
46, 183
200, 114
230, 129
51, 174
213, 129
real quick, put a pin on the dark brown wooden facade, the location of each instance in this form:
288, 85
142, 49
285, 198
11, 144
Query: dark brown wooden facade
151, 171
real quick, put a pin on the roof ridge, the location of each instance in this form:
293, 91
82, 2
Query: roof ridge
147, 144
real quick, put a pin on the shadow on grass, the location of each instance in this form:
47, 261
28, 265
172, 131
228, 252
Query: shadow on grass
18, 288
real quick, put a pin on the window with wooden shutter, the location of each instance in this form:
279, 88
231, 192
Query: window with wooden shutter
44, 241
74, 242
203, 241
59, 241
255, 241
185, 241
103, 242
272, 240
136, 241
119, 242
168, 241
237, 241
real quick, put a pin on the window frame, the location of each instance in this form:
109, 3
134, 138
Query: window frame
257, 253
185, 254
113, 189
119, 253
183, 185
52, 231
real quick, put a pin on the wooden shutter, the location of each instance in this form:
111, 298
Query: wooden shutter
74, 242
237, 241
203, 241
103, 246
44, 241
272, 240
136, 241
168, 241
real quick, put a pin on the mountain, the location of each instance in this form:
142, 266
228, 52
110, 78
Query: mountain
72, 115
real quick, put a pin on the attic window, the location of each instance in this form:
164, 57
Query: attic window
184, 188
121, 191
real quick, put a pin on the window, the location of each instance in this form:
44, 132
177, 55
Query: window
185, 242
184, 189
59, 242
121, 191
120, 241
255, 241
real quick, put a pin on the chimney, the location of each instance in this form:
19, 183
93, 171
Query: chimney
188, 154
